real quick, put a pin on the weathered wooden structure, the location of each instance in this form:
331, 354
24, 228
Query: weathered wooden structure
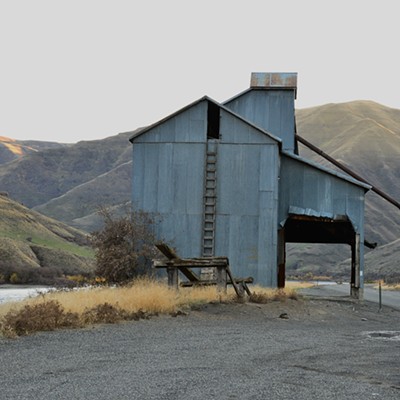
222, 273
227, 181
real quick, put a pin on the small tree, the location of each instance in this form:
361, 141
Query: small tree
125, 246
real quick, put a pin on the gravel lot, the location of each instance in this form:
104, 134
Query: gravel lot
221, 351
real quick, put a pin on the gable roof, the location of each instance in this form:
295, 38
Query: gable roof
136, 134
140, 132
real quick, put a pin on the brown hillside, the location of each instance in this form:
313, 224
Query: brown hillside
12, 149
38, 248
108, 189
366, 137
39, 177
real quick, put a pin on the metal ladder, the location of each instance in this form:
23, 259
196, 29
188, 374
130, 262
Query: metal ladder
210, 200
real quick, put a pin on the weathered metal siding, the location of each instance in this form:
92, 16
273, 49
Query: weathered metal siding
304, 186
188, 127
168, 173
247, 190
271, 110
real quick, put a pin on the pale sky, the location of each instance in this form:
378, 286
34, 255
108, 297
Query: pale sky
74, 70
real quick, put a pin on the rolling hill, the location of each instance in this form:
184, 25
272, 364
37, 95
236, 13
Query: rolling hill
12, 149
366, 137
38, 249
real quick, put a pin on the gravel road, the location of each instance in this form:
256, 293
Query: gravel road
323, 350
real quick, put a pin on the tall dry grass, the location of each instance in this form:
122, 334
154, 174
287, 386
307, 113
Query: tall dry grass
144, 297
388, 286
299, 285
266, 295
143, 294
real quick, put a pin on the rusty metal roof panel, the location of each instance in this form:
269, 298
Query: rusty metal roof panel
274, 80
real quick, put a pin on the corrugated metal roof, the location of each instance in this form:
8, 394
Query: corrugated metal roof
327, 170
204, 98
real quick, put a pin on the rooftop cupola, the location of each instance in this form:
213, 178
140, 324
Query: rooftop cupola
269, 104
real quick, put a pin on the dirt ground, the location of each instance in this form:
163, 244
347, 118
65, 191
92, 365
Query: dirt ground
311, 348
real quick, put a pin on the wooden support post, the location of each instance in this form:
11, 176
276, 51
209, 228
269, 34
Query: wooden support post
281, 258
355, 289
221, 279
172, 277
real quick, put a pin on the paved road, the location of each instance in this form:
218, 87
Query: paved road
389, 297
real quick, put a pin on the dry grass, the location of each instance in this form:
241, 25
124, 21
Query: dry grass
267, 295
142, 299
299, 285
389, 286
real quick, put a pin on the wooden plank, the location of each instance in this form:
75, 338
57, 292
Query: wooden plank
167, 251
238, 281
221, 279
175, 264
189, 274
235, 286
172, 277
191, 263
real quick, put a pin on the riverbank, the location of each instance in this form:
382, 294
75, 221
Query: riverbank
20, 292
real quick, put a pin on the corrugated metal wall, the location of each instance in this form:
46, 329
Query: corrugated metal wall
256, 184
271, 110
248, 167
168, 174
306, 187
303, 186
168, 179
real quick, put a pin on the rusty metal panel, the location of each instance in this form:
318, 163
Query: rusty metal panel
274, 80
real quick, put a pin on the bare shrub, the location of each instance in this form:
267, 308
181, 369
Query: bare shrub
44, 316
107, 313
104, 313
125, 246
267, 296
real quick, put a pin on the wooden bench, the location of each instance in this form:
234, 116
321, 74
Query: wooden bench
174, 264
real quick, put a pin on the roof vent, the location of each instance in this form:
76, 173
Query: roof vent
274, 80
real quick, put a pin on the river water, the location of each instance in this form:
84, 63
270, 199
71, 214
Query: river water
12, 293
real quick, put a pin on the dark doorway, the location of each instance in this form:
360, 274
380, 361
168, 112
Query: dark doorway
299, 228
